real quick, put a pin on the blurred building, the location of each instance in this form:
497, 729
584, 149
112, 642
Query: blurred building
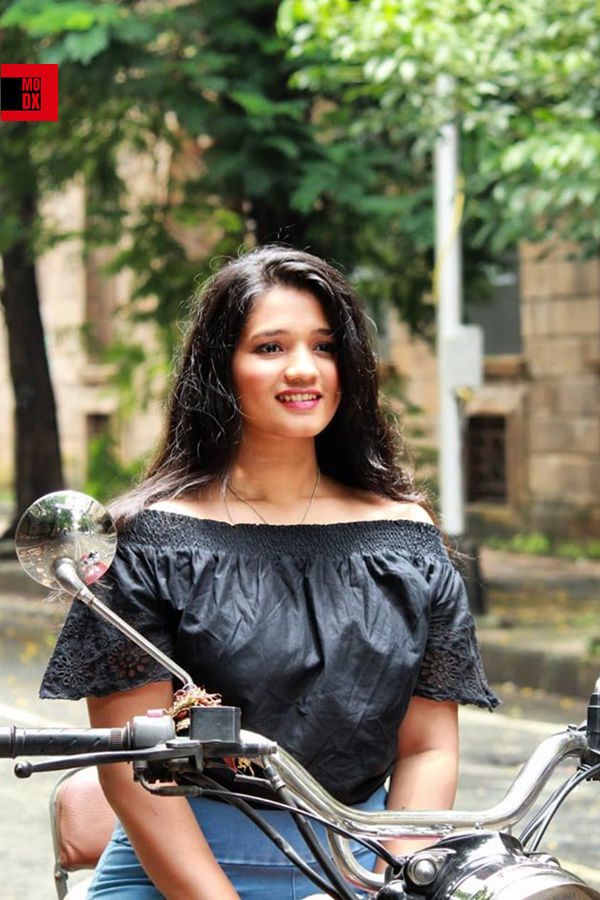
532, 433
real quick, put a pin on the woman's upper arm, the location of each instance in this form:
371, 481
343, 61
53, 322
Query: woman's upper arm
428, 725
116, 709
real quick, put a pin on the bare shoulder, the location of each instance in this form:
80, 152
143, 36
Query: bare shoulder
414, 512
201, 507
176, 506
385, 508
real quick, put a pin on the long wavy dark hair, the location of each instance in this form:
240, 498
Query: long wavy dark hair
360, 447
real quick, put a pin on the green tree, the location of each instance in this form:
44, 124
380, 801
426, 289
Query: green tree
252, 159
37, 458
35, 160
527, 92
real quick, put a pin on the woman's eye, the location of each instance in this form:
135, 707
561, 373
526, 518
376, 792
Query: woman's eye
268, 348
322, 347
327, 347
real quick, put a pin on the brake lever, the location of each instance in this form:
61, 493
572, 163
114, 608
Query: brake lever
78, 761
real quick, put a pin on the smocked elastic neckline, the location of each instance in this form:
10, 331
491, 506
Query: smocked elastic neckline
179, 530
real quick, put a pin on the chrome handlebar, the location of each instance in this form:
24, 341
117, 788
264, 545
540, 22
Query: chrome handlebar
518, 800
149, 737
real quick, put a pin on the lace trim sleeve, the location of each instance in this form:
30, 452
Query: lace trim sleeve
92, 657
452, 669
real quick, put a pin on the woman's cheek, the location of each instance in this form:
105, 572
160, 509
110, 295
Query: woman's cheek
255, 391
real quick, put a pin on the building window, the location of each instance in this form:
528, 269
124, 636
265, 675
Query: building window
100, 305
498, 314
486, 459
99, 445
98, 426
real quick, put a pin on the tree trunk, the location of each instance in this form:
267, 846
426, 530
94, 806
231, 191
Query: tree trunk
38, 468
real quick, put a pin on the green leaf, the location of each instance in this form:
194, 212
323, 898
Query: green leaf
85, 46
263, 107
284, 145
52, 16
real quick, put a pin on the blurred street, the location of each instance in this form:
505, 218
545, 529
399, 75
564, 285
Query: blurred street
27, 632
541, 628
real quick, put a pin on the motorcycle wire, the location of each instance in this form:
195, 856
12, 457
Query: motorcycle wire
276, 838
536, 828
305, 828
375, 847
188, 786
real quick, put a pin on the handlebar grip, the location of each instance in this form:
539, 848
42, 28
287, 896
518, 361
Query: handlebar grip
61, 741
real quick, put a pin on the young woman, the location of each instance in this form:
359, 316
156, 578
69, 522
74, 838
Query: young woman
280, 554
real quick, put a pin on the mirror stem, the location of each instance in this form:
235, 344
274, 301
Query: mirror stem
66, 575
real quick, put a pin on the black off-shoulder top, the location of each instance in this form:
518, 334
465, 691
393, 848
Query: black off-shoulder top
320, 633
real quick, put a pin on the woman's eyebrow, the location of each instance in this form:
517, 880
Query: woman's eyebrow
279, 332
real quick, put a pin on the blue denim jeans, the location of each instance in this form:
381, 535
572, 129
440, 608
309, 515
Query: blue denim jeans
254, 865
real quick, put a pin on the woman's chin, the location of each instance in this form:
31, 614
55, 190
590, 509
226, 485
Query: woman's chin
289, 431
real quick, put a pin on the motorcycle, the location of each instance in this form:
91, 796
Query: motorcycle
67, 540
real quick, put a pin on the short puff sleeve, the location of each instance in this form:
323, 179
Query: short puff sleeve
451, 668
92, 657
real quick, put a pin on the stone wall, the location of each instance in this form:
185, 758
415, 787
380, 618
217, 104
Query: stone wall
413, 359
560, 319
549, 395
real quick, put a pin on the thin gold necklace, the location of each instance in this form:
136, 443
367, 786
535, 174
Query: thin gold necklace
260, 516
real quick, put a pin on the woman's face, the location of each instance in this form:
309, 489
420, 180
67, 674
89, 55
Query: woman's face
284, 366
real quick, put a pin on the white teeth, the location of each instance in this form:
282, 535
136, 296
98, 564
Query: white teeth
285, 398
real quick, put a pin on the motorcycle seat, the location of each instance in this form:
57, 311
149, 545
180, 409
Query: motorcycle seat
82, 823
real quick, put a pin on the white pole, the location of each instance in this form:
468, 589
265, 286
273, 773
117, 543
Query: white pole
449, 303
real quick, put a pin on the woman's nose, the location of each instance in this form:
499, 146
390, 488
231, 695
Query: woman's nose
301, 365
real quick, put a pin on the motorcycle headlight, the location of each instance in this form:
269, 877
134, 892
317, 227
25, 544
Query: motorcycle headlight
522, 882
490, 866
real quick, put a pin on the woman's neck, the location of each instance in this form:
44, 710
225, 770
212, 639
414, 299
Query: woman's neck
275, 475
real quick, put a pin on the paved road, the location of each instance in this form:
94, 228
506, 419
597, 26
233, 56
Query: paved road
25, 843
494, 747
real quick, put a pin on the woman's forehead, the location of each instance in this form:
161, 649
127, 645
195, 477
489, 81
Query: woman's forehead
286, 308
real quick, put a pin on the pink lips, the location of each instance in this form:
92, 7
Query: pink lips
299, 399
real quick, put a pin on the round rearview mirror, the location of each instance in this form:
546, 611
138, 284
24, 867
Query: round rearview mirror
66, 525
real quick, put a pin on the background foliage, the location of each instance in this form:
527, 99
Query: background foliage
527, 92
310, 122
